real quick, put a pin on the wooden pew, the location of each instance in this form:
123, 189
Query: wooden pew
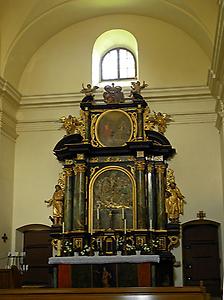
151, 293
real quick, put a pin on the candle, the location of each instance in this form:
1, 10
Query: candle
97, 213
125, 226
150, 224
122, 213
63, 227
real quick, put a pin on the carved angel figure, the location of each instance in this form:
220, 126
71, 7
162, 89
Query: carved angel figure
71, 124
136, 88
88, 91
113, 94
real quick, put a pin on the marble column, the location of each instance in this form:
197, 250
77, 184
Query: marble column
140, 192
68, 198
79, 196
160, 196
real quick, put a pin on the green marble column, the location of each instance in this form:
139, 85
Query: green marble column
150, 205
140, 123
140, 192
79, 197
68, 198
160, 191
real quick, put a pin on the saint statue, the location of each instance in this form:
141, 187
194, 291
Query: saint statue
57, 202
174, 202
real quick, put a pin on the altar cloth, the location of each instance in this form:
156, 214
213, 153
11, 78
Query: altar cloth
83, 260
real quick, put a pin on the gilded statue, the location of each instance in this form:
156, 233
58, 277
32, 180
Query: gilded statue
57, 201
174, 202
136, 89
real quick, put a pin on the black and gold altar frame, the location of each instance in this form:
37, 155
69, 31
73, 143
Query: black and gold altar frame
115, 176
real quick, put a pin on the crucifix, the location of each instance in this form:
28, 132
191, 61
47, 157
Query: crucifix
4, 237
201, 215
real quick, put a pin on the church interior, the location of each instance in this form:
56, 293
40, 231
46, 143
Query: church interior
113, 110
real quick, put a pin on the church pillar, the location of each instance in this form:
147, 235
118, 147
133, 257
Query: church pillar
160, 194
68, 197
79, 195
140, 192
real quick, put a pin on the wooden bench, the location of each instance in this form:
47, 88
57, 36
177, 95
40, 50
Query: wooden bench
151, 293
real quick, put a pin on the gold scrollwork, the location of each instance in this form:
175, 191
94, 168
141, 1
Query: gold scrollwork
68, 172
93, 170
173, 242
61, 179
94, 141
133, 116
132, 169
112, 159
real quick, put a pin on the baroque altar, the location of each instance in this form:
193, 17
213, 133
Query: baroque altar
116, 193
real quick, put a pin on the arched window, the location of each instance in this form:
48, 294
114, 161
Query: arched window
118, 64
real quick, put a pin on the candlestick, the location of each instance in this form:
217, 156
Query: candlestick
125, 226
122, 213
98, 213
150, 224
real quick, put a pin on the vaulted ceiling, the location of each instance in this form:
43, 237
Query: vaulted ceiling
28, 24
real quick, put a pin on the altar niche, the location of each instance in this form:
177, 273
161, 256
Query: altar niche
112, 200
119, 193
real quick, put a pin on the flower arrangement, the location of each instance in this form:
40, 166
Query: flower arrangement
67, 248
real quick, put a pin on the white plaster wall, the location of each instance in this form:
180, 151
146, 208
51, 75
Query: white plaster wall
167, 56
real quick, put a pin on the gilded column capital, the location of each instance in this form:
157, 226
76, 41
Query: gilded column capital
140, 165
149, 168
68, 171
160, 169
79, 168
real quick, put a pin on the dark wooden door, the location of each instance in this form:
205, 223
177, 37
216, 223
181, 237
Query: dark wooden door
38, 250
201, 261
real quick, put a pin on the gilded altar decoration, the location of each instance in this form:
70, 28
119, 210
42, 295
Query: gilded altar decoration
174, 199
117, 195
57, 201
113, 94
156, 120
88, 91
136, 89
71, 124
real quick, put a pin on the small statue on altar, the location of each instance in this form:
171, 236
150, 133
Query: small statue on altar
136, 88
113, 94
88, 91
106, 277
57, 201
174, 203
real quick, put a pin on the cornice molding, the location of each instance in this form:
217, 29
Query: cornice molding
185, 105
